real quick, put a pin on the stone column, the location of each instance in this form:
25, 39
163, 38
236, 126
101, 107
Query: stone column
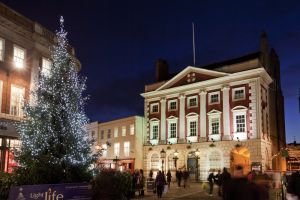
203, 115
163, 121
226, 113
182, 118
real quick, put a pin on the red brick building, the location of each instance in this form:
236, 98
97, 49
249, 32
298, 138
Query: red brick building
221, 115
24, 51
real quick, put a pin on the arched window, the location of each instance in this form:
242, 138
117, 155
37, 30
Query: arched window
155, 161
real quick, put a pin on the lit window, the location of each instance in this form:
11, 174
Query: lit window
132, 129
116, 132
154, 108
108, 133
215, 125
2, 49
117, 149
19, 56
192, 102
172, 105
123, 130
214, 98
17, 101
104, 150
46, 66
126, 148
240, 123
193, 128
173, 129
238, 93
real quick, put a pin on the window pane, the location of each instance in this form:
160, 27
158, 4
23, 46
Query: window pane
173, 130
155, 132
239, 94
214, 98
193, 102
173, 105
193, 128
19, 56
215, 126
46, 66
116, 132
154, 108
240, 123
123, 130
117, 149
132, 129
126, 148
17, 101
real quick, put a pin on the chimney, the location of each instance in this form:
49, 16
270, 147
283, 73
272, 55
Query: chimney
264, 49
162, 70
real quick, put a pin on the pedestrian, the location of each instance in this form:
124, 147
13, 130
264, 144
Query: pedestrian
185, 177
224, 179
169, 177
293, 187
178, 177
151, 174
141, 182
210, 179
160, 182
217, 179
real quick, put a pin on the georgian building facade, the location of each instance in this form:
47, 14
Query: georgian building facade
24, 51
221, 111
121, 141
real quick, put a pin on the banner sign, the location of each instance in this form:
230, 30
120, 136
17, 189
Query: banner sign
68, 191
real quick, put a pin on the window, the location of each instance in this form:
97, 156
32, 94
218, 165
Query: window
214, 97
193, 128
154, 130
126, 148
172, 104
173, 129
215, 125
116, 132
240, 123
117, 149
192, 102
238, 93
123, 130
154, 108
17, 100
19, 56
2, 49
104, 150
108, 133
46, 66
102, 134
155, 161
132, 129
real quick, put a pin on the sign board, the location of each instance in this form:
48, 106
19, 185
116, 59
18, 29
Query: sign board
256, 166
150, 184
69, 191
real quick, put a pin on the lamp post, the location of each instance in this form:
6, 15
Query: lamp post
162, 156
197, 153
175, 158
116, 160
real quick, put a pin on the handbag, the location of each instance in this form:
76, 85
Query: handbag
165, 189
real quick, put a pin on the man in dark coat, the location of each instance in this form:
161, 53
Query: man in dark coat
293, 185
210, 179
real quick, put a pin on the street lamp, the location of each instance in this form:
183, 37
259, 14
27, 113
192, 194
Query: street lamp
197, 153
162, 156
116, 160
175, 158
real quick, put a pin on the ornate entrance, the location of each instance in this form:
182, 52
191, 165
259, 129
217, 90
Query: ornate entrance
240, 156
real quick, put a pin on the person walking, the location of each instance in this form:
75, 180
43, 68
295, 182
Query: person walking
210, 179
169, 177
141, 182
217, 179
178, 177
185, 177
293, 187
224, 179
160, 182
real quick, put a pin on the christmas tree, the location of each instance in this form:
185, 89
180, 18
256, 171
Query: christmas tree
55, 144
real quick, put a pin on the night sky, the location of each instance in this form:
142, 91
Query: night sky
118, 42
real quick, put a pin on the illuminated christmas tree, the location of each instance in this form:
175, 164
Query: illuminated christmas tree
55, 144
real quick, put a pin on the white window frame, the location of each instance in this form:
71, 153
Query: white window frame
116, 132
239, 110
126, 149
236, 89
2, 49
192, 97
209, 97
169, 104
131, 129
123, 130
172, 121
16, 59
117, 149
189, 120
46, 66
152, 105
21, 104
212, 115
152, 124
